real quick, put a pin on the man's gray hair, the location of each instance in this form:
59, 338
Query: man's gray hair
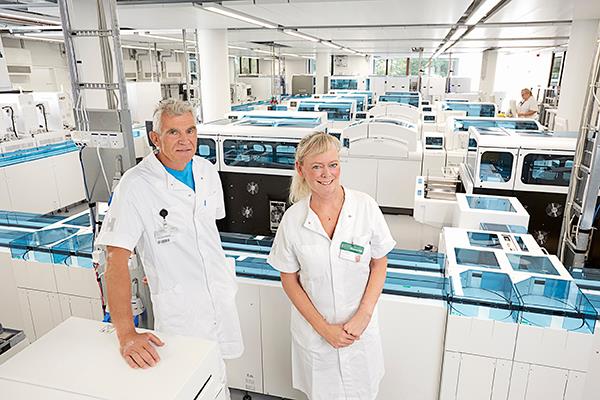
173, 107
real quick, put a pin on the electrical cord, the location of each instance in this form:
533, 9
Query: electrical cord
102, 169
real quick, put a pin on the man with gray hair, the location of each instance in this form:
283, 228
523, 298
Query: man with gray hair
166, 208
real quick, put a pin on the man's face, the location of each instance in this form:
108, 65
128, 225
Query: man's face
177, 141
525, 94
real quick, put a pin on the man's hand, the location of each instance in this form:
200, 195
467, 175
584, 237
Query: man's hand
357, 324
336, 336
138, 349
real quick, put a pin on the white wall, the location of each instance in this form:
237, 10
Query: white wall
294, 66
357, 65
469, 66
520, 69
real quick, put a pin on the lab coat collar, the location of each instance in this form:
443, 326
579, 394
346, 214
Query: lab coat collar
313, 223
170, 181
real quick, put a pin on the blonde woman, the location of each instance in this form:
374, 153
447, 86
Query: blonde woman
331, 249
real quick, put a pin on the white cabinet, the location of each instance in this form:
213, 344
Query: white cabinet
10, 308
41, 312
277, 351
69, 179
246, 372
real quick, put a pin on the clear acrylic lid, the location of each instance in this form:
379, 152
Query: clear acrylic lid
490, 203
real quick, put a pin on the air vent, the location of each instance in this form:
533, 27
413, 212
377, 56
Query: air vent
18, 69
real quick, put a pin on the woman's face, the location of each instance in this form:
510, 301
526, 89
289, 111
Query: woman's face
322, 172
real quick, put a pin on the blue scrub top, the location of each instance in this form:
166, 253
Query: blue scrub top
186, 176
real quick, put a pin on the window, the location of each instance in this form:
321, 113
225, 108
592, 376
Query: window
495, 166
440, 66
413, 67
380, 66
207, 148
547, 169
259, 154
397, 67
248, 66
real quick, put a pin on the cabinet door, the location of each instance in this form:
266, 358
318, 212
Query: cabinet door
476, 377
5, 203
245, 373
11, 315
277, 351
32, 186
546, 383
576, 385
26, 314
450, 372
45, 311
69, 178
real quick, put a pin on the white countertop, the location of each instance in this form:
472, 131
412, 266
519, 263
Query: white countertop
81, 357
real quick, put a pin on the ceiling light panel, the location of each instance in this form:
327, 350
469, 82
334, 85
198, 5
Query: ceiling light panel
238, 15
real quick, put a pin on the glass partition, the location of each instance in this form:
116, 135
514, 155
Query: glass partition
259, 154
476, 258
496, 166
547, 169
490, 203
532, 264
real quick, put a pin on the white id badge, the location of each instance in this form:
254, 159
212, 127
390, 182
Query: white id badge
165, 234
351, 252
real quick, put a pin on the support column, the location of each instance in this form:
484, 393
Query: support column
4, 78
323, 69
214, 73
580, 55
488, 72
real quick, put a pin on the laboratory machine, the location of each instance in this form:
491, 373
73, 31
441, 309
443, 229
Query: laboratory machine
189, 367
303, 84
368, 93
255, 156
510, 305
381, 157
534, 166
456, 133
340, 112
11, 342
343, 82
459, 84
472, 109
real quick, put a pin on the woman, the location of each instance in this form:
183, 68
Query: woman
331, 251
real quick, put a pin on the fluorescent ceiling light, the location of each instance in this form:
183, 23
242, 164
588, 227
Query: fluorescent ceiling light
262, 51
167, 38
29, 19
238, 48
330, 44
481, 11
309, 57
290, 55
237, 15
42, 39
458, 33
293, 32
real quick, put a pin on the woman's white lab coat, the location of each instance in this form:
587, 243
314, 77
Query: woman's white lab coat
335, 286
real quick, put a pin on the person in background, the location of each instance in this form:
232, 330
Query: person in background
166, 208
330, 249
528, 107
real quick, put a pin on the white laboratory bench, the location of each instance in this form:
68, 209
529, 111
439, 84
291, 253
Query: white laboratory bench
79, 359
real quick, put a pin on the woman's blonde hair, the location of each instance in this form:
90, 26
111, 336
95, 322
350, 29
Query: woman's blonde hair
313, 144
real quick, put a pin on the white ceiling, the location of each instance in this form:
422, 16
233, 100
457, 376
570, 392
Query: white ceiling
375, 27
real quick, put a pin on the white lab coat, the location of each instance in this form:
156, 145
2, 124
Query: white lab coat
192, 286
528, 105
335, 286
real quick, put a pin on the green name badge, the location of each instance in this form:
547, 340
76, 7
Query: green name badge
352, 248
351, 252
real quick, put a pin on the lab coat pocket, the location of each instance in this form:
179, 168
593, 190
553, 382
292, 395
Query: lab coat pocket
314, 261
169, 310
365, 242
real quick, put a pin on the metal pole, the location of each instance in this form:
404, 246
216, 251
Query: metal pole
156, 62
198, 76
186, 65
151, 61
70, 50
118, 55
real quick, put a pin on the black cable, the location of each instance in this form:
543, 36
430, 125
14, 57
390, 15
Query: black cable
12, 119
43, 108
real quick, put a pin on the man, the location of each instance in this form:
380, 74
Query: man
528, 107
166, 208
